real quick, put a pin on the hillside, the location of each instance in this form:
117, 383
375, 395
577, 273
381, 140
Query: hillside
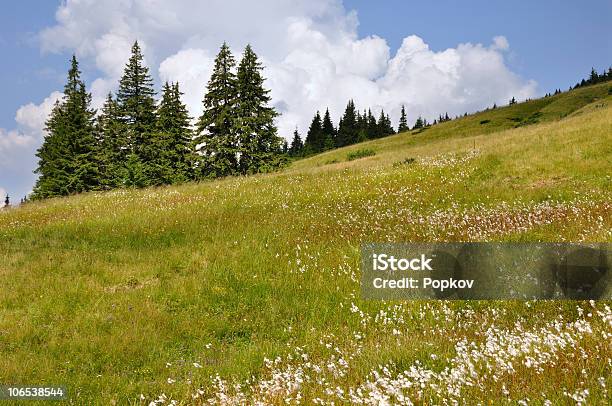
186, 291
544, 110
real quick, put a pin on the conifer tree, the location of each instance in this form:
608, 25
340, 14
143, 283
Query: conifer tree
135, 172
171, 139
403, 122
296, 144
362, 126
420, 123
68, 157
312, 145
389, 127
328, 132
259, 144
111, 139
136, 101
52, 167
347, 129
216, 141
594, 76
380, 125
383, 125
371, 125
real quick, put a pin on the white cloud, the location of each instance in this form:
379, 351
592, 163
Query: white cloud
455, 80
31, 120
312, 54
12, 139
500, 42
192, 68
32, 117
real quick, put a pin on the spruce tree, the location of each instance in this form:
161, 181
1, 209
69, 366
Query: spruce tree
419, 123
328, 133
312, 145
371, 125
68, 158
135, 172
594, 76
171, 139
389, 130
111, 139
403, 122
296, 144
216, 141
136, 101
258, 142
347, 129
362, 126
52, 164
383, 125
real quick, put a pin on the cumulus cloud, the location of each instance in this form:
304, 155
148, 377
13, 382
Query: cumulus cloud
10, 142
312, 54
192, 69
31, 120
32, 117
462, 79
500, 42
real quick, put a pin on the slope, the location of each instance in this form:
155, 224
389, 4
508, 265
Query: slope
187, 290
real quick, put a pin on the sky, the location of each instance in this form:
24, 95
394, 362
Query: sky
432, 57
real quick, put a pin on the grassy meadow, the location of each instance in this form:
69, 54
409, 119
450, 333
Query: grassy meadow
245, 290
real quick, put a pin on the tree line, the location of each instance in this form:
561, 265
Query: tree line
353, 127
595, 78
136, 141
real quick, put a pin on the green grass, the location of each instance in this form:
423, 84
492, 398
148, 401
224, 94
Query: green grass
112, 294
360, 153
545, 110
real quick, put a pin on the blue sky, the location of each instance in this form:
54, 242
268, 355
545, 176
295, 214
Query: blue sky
552, 43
